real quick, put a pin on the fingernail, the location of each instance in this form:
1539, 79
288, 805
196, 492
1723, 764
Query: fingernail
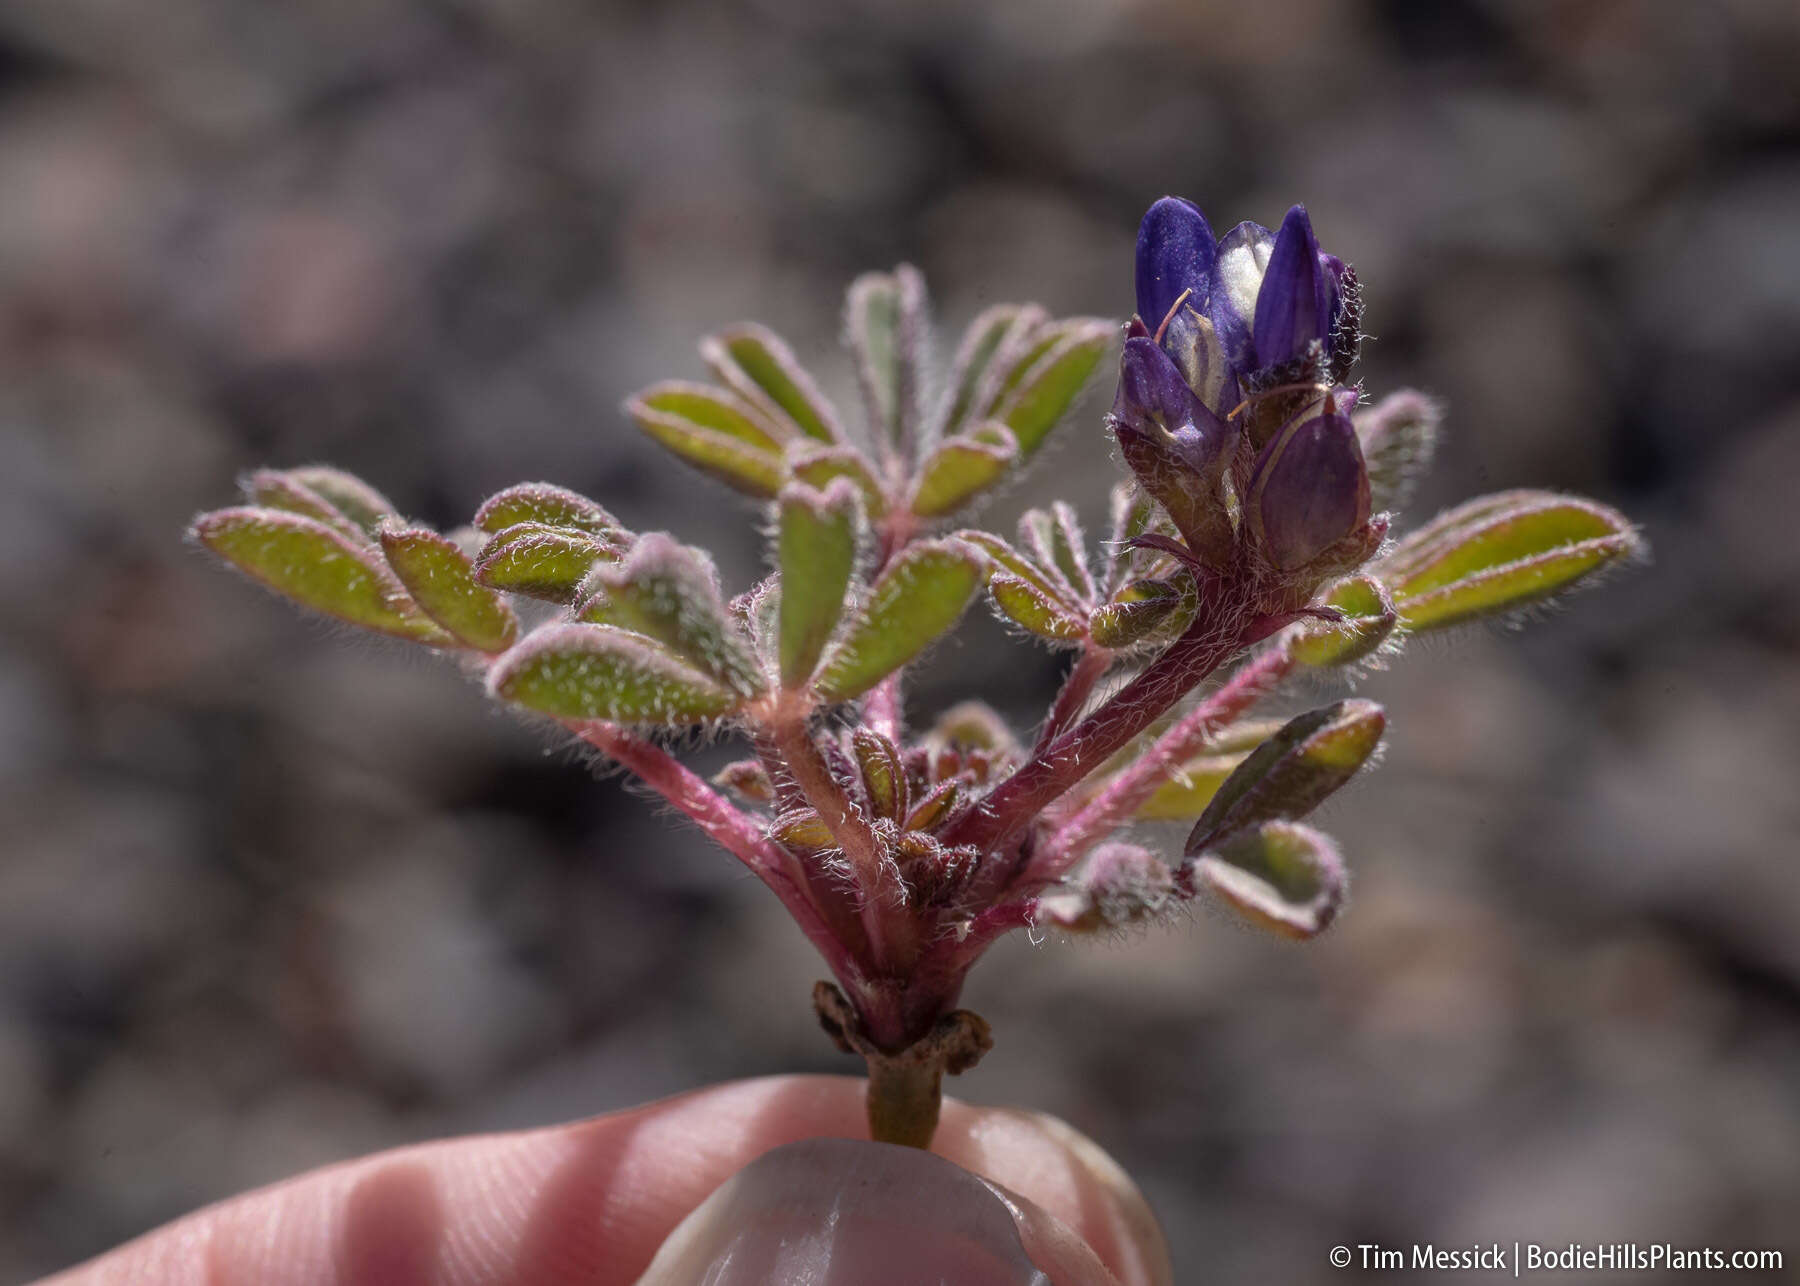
841, 1212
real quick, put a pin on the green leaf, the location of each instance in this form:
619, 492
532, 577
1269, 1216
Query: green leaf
348, 494
975, 354
1033, 610
1293, 772
547, 505
755, 364
541, 562
804, 830
816, 467
747, 779
1143, 611
973, 725
1055, 539
273, 489
577, 671
713, 432
883, 773
1283, 876
1049, 387
884, 321
441, 579
961, 468
318, 567
1015, 562
669, 592
816, 551
1368, 620
923, 592
934, 808
1190, 788
1500, 553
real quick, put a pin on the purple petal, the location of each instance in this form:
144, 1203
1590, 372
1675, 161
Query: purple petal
1291, 307
1150, 385
1175, 252
1311, 490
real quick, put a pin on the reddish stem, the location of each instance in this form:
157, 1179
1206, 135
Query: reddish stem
1058, 767
888, 936
1076, 689
882, 711
736, 832
1121, 797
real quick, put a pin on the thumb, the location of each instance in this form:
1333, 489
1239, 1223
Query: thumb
843, 1211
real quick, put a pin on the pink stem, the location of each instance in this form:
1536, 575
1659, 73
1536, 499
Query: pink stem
882, 711
1058, 767
1075, 691
1121, 797
853, 833
736, 832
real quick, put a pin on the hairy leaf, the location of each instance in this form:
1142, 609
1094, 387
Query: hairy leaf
1368, 620
669, 592
1292, 772
885, 323
441, 579
980, 344
1498, 553
273, 489
1046, 390
540, 562
1145, 612
578, 671
816, 549
883, 773
962, 467
817, 466
759, 367
347, 493
1190, 788
920, 596
713, 431
1284, 876
1033, 610
1399, 436
318, 567
1119, 884
547, 505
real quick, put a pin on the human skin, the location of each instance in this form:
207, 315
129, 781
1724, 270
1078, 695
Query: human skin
590, 1202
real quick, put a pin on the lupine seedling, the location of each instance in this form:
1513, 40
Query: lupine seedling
1250, 540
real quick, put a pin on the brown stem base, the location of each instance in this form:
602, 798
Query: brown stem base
906, 1089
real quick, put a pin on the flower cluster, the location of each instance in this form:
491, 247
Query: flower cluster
1246, 546
1233, 408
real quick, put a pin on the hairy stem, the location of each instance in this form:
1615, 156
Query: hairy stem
736, 832
1072, 755
1076, 689
882, 711
1121, 797
853, 833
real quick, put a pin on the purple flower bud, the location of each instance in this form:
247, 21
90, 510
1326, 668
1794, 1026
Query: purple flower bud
1309, 489
1293, 304
1174, 444
1153, 391
1175, 252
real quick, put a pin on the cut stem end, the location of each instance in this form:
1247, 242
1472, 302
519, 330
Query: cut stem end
906, 1088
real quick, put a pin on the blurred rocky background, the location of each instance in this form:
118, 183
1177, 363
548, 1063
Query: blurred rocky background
270, 897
